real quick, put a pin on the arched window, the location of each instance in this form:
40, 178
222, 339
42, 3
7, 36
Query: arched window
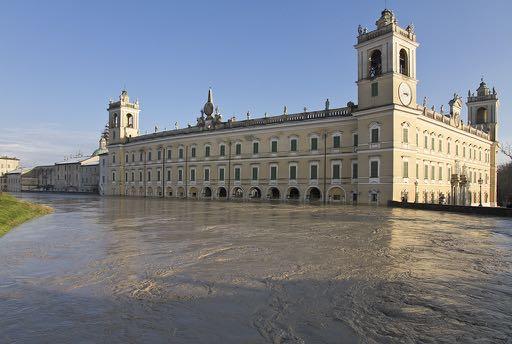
375, 64
481, 116
129, 120
404, 62
115, 121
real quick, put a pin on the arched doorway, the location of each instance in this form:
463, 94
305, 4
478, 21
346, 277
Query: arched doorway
207, 192
150, 192
192, 193
254, 193
133, 192
222, 192
141, 191
293, 193
159, 191
337, 194
169, 191
238, 192
181, 192
314, 194
274, 193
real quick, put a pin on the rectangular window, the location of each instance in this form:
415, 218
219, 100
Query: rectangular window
355, 171
314, 143
149, 156
440, 174
293, 172
313, 172
140, 157
254, 173
336, 141
113, 159
440, 146
448, 148
192, 175
273, 147
126, 158
237, 173
433, 143
168, 175
405, 135
463, 152
375, 135
159, 155
125, 177
238, 149
149, 176
113, 176
273, 172
374, 169
207, 151
426, 142
221, 174
355, 138
133, 176
193, 152
158, 175
336, 171
417, 139
375, 89
206, 174
169, 155
222, 150
293, 145
180, 153
433, 172
255, 147
417, 171
180, 175
405, 169
457, 150
140, 176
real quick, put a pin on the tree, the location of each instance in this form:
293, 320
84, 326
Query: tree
506, 149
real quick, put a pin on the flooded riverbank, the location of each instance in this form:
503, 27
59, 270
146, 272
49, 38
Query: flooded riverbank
160, 271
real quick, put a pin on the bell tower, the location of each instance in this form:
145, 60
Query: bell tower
386, 59
483, 109
123, 119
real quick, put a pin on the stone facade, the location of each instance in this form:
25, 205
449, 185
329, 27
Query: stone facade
387, 147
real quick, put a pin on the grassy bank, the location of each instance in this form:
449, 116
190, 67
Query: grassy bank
14, 212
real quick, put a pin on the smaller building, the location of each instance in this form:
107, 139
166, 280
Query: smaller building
8, 164
19, 180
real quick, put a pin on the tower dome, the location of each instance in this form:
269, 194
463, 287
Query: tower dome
483, 90
387, 17
209, 107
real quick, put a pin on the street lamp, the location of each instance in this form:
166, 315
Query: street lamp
480, 182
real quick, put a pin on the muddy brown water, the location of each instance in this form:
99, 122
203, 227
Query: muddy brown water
169, 271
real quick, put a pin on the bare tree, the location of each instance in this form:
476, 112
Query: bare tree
506, 148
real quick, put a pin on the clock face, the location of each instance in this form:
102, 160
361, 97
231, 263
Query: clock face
405, 93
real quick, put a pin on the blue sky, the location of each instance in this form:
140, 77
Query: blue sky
60, 61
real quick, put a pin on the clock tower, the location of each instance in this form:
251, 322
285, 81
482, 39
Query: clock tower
386, 59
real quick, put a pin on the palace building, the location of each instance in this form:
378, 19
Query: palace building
385, 147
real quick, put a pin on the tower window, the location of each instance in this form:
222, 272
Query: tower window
129, 120
375, 64
115, 121
481, 115
404, 62
375, 89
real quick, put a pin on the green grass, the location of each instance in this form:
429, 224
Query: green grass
14, 212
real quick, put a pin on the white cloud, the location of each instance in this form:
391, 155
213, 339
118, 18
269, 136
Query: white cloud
46, 144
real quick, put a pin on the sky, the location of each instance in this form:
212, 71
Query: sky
61, 61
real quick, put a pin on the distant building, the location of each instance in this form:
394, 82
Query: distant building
386, 147
8, 164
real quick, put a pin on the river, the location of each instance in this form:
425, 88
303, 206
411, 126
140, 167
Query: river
135, 270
